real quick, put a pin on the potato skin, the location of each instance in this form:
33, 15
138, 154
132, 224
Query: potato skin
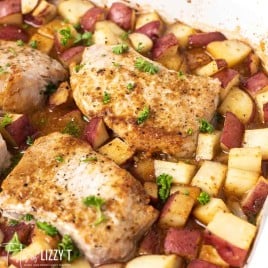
13, 33
151, 29
73, 54
8, 7
90, 18
203, 39
255, 83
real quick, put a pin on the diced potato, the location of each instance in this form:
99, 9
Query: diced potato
43, 43
192, 191
151, 189
156, 261
181, 172
141, 42
174, 62
232, 51
49, 29
182, 32
208, 69
210, 177
73, 10
210, 254
5, 156
261, 99
203, 39
146, 18
256, 83
28, 6
208, 145
151, 242
240, 104
143, 169
245, 158
176, 210
61, 95
257, 138
44, 12
205, 213
232, 229
239, 181
117, 150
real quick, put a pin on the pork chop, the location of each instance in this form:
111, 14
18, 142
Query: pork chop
176, 103
53, 177
24, 74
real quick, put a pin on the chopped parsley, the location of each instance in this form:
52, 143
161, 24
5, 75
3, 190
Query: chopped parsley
3, 69
25, 26
28, 217
145, 66
189, 131
124, 36
163, 182
13, 222
203, 198
47, 228
120, 49
205, 126
116, 64
66, 35
72, 128
59, 159
97, 203
78, 67
20, 43
89, 159
106, 97
140, 47
29, 140
70, 251
13, 51
50, 89
143, 115
14, 245
181, 74
130, 86
33, 44
186, 192
85, 37
6, 120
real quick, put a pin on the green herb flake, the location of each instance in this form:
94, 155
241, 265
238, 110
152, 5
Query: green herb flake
47, 228
205, 126
78, 67
25, 26
190, 132
124, 36
72, 128
163, 182
13, 222
3, 69
70, 251
14, 245
203, 198
186, 192
13, 51
6, 120
106, 98
33, 44
77, 26
140, 47
89, 159
29, 141
28, 217
20, 43
181, 74
145, 66
97, 203
85, 37
130, 86
120, 49
116, 64
66, 35
59, 159
143, 115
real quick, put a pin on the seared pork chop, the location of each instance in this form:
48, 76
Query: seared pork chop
25, 73
53, 177
175, 103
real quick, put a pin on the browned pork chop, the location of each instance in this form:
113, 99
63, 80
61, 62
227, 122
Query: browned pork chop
53, 177
25, 73
176, 103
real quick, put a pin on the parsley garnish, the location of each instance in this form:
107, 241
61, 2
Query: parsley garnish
59, 159
143, 115
203, 198
50, 89
65, 36
164, 184
116, 64
14, 245
13, 51
72, 129
181, 74
28, 217
145, 66
205, 126
124, 36
20, 43
13, 222
86, 37
29, 140
190, 132
97, 202
47, 228
89, 159
120, 49
78, 67
70, 251
186, 192
140, 47
25, 26
106, 97
130, 86
6, 120
33, 44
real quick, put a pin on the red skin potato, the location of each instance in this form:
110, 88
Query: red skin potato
255, 199
225, 76
9, 7
256, 82
73, 54
221, 63
233, 131
203, 39
182, 242
151, 29
231, 254
33, 21
93, 15
196, 58
122, 15
20, 129
164, 43
201, 264
265, 112
252, 63
151, 243
13, 33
